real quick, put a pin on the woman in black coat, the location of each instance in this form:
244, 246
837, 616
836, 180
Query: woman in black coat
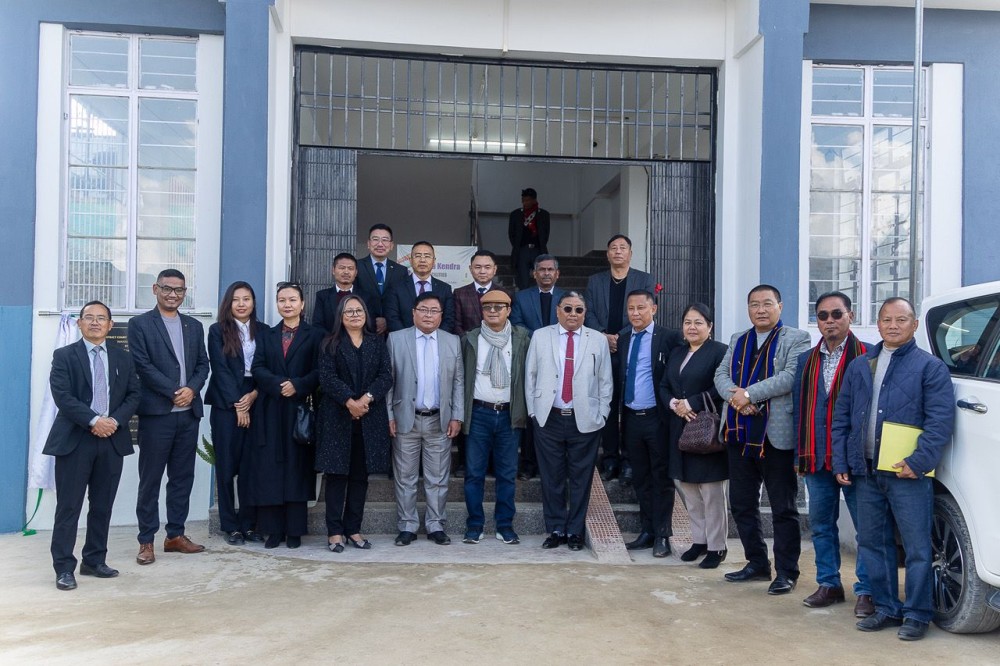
284, 367
354, 376
235, 418
701, 478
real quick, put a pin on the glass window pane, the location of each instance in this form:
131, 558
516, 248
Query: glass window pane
892, 93
95, 269
152, 256
837, 157
97, 202
835, 214
838, 91
167, 133
960, 334
166, 203
167, 64
98, 130
891, 155
98, 61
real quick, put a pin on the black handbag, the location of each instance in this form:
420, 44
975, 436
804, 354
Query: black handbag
701, 434
304, 428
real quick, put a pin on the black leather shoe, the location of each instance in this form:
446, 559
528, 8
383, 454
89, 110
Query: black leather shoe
66, 581
713, 559
293, 542
439, 537
626, 475
694, 552
575, 541
405, 538
912, 630
235, 538
252, 536
554, 540
609, 470
782, 585
274, 540
101, 571
662, 547
749, 572
641, 542
878, 622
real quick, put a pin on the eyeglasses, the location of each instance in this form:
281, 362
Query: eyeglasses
836, 314
494, 307
765, 305
428, 311
354, 312
569, 309
180, 291
384, 240
100, 319
422, 255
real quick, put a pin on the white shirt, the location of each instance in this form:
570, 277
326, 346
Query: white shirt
104, 360
416, 283
563, 338
484, 389
486, 286
249, 346
422, 373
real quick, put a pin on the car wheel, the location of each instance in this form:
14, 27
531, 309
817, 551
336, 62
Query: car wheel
959, 594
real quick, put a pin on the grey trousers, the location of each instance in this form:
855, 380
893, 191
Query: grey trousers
425, 441
706, 505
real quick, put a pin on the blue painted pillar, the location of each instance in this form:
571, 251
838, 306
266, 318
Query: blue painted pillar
782, 26
242, 254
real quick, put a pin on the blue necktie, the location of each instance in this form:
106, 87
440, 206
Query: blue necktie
379, 277
633, 362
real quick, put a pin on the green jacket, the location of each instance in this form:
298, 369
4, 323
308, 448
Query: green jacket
519, 339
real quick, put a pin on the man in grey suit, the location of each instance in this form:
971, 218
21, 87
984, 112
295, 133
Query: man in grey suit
607, 293
426, 409
567, 387
756, 377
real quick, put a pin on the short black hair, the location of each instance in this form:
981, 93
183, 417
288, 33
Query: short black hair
897, 299
426, 296
345, 255
484, 253
764, 287
700, 308
529, 192
380, 227
170, 273
621, 236
640, 292
833, 294
88, 304
427, 243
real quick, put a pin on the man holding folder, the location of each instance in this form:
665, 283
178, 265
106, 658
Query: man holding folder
894, 384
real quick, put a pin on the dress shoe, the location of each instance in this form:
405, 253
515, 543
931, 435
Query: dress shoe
749, 572
878, 622
146, 555
525, 475
101, 570
825, 596
335, 546
782, 585
66, 581
626, 475
575, 541
609, 470
235, 538
439, 537
405, 538
713, 559
252, 536
864, 606
641, 542
694, 552
360, 544
181, 544
662, 547
274, 540
554, 540
912, 630
293, 542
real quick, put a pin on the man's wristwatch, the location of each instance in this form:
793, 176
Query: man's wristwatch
746, 394
370, 397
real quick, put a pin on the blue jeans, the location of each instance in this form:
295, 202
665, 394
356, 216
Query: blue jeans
881, 498
490, 431
824, 511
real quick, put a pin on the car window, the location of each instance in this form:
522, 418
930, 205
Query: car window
962, 334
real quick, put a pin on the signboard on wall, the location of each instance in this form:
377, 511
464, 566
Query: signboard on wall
452, 265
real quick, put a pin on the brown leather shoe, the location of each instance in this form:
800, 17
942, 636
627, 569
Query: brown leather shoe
146, 555
181, 544
864, 607
825, 596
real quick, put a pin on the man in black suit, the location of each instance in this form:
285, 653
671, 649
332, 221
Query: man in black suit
645, 350
399, 300
345, 277
377, 273
95, 388
170, 358
528, 230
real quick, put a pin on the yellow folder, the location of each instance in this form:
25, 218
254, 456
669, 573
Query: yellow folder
898, 442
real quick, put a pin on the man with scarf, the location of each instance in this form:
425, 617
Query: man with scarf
818, 377
494, 356
528, 230
756, 377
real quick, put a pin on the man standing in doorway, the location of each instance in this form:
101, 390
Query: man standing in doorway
345, 274
606, 292
377, 273
399, 300
528, 230
168, 349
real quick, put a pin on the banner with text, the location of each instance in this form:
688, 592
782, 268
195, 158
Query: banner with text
452, 262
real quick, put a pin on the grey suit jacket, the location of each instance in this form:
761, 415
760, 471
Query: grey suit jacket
592, 381
598, 296
777, 388
402, 398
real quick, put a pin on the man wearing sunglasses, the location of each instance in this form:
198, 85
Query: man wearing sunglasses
168, 349
818, 378
567, 387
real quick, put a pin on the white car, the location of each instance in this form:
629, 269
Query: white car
962, 328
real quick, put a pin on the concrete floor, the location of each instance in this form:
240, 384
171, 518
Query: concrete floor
427, 604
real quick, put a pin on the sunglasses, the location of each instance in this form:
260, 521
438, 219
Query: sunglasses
836, 314
286, 285
569, 309
494, 307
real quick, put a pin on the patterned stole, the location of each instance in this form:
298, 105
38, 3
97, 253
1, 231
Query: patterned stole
748, 366
812, 380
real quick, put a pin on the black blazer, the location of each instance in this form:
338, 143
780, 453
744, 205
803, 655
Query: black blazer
324, 313
598, 296
664, 342
157, 367
399, 304
394, 273
515, 229
71, 382
225, 386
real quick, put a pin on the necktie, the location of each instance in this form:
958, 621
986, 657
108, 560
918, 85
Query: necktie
423, 286
567, 387
633, 362
428, 372
482, 290
100, 401
379, 277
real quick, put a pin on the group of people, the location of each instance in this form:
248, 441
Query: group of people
394, 365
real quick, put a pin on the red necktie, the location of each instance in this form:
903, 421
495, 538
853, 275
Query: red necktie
567, 387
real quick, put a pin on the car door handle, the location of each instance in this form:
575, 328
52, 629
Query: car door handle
973, 405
